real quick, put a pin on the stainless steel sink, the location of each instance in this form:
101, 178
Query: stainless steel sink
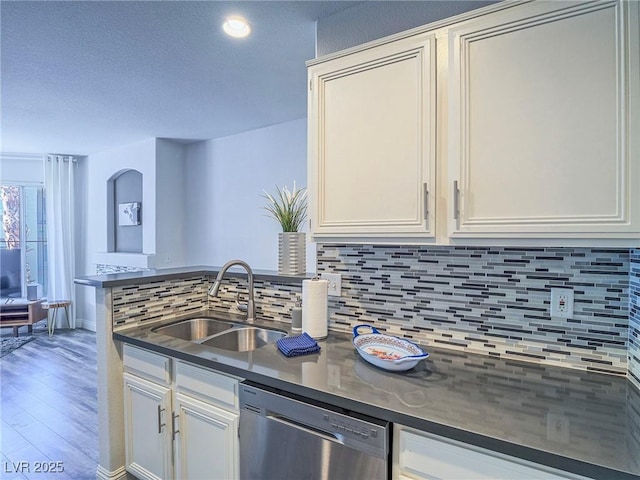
194, 328
223, 334
244, 339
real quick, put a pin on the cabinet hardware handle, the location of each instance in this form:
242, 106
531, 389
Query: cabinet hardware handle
174, 417
425, 191
160, 424
456, 200
329, 436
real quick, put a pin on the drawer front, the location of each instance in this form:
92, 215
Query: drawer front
212, 387
429, 456
146, 364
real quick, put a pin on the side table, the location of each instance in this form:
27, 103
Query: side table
53, 306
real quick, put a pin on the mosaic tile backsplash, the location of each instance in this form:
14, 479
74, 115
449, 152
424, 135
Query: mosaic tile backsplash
634, 318
273, 301
102, 269
493, 301
153, 301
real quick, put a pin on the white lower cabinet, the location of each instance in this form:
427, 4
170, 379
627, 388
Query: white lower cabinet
206, 439
147, 405
181, 420
419, 455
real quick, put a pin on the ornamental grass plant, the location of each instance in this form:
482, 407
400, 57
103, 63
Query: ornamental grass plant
289, 208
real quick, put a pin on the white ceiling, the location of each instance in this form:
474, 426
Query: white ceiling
80, 77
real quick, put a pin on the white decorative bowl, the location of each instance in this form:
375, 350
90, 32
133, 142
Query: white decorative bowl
385, 351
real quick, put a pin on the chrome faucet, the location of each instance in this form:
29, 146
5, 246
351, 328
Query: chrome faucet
213, 291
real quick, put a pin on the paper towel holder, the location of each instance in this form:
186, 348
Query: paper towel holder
315, 311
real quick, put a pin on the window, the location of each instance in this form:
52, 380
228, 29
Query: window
23, 240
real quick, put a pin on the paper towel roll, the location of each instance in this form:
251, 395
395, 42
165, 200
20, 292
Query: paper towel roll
315, 312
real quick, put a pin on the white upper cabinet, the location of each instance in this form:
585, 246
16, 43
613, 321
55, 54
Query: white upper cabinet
532, 138
372, 143
544, 123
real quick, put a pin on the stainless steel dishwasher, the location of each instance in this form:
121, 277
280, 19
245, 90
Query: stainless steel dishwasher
286, 437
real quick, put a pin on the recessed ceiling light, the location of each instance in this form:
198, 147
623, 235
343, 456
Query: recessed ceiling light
236, 27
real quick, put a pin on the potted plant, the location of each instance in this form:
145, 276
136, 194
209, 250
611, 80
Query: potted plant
289, 209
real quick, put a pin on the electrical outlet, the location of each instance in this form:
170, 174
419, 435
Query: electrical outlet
561, 302
335, 283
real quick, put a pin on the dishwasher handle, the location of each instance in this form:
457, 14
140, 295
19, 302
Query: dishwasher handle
329, 436
362, 433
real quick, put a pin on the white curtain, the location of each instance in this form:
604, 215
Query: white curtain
58, 182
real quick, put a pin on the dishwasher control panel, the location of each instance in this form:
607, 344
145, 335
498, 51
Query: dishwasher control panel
348, 426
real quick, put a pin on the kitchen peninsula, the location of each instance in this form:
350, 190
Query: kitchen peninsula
577, 422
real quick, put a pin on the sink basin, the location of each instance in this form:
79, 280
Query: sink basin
244, 339
224, 334
194, 328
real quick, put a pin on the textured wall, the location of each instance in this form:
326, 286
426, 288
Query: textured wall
260, 160
493, 301
634, 319
369, 21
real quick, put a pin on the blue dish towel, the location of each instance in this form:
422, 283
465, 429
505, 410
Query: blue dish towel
294, 346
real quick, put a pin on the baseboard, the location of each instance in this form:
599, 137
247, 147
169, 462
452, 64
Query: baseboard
104, 474
86, 324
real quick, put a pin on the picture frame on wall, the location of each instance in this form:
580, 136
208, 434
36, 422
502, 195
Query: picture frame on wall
129, 214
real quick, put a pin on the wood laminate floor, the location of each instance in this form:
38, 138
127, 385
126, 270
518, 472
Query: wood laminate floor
48, 408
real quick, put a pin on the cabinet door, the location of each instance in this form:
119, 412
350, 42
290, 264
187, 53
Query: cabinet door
148, 436
544, 122
422, 455
372, 142
206, 440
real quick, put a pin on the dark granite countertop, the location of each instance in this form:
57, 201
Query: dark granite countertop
582, 422
158, 275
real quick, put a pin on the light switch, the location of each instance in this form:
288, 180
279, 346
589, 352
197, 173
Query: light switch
335, 283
